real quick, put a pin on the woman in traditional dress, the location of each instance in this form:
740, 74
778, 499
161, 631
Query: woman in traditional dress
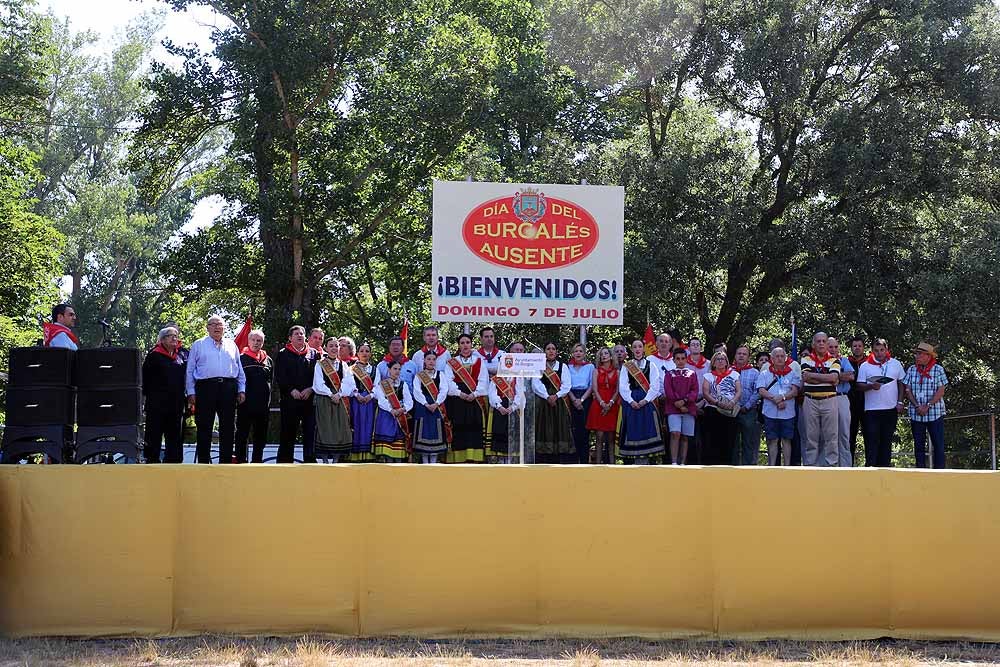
363, 405
394, 401
720, 388
581, 375
639, 385
430, 389
506, 395
553, 433
602, 418
333, 382
469, 382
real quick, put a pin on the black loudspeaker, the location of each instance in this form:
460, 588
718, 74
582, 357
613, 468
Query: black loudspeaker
108, 367
41, 366
108, 407
39, 406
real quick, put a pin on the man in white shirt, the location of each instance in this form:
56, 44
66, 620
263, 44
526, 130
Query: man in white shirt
431, 342
879, 378
488, 350
215, 384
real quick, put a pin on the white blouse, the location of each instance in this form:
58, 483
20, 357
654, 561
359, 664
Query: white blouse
443, 387
482, 382
518, 402
655, 381
347, 387
383, 402
565, 383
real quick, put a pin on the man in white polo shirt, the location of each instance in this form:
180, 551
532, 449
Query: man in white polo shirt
879, 378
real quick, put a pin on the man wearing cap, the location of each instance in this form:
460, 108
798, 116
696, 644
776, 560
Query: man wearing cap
925, 384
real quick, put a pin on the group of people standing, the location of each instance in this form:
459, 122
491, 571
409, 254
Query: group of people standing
673, 406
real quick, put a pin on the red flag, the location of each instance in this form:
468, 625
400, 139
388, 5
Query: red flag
243, 335
649, 339
404, 333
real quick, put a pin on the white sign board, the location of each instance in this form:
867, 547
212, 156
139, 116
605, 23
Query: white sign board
542, 254
521, 364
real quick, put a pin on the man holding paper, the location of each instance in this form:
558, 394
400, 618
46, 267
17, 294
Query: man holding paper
879, 378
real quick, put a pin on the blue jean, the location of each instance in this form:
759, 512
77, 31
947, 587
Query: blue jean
747, 450
920, 431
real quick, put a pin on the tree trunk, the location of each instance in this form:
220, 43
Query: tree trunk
277, 279
297, 243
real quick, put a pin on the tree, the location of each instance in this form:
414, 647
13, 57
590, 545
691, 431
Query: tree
818, 113
339, 116
29, 245
114, 236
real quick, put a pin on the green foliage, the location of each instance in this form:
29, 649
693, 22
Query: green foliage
29, 246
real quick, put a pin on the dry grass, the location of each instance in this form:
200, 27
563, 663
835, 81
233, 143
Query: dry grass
316, 651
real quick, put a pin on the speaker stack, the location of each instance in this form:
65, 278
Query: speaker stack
108, 402
40, 404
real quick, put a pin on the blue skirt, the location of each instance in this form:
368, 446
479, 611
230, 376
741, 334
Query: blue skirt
429, 429
387, 428
641, 429
363, 421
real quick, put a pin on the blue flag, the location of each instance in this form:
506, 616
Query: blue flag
795, 341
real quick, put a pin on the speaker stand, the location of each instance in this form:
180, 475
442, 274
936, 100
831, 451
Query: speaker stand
20, 441
94, 440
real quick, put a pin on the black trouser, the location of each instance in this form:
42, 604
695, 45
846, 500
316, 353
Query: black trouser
880, 429
578, 424
215, 396
165, 425
718, 438
249, 420
293, 413
857, 400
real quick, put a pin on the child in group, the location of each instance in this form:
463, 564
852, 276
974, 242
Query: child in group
430, 389
680, 393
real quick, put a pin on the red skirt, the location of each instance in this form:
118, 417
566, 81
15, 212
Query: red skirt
606, 422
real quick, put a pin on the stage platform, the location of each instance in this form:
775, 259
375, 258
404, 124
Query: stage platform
375, 550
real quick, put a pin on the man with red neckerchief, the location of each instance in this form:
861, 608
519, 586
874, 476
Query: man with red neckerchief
163, 377
407, 370
879, 378
820, 376
316, 339
59, 332
663, 361
698, 363
925, 385
488, 350
856, 396
747, 449
294, 368
431, 342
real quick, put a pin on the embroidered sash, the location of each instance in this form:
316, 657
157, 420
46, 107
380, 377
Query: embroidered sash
434, 392
463, 374
505, 387
636, 374
555, 379
334, 379
364, 378
396, 404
